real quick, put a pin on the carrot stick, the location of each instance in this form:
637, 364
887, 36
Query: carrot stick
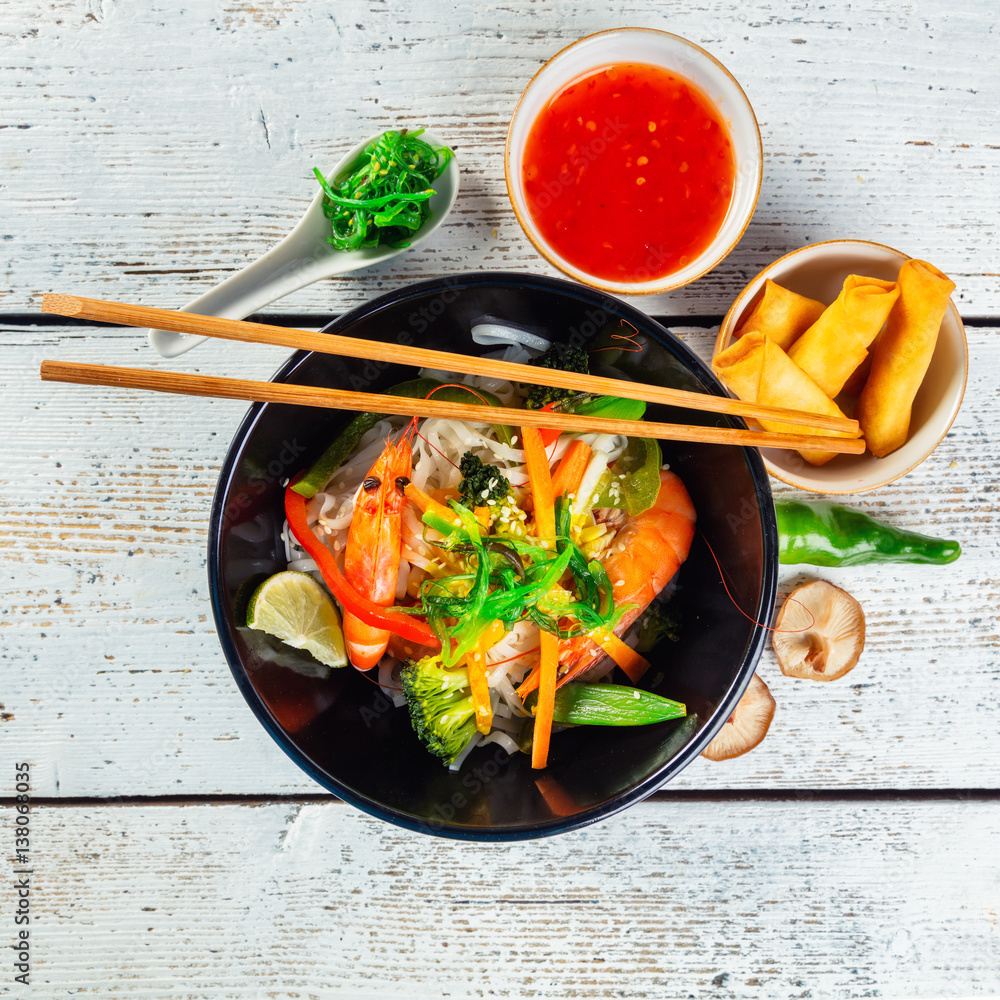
540, 482
477, 676
622, 653
569, 475
549, 665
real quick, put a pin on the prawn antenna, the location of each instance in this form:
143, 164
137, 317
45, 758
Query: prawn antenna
769, 628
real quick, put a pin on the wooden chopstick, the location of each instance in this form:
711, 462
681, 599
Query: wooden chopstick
304, 395
353, 347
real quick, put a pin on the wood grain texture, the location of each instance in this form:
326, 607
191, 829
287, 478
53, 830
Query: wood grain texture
114, 682
738, 899
148, 151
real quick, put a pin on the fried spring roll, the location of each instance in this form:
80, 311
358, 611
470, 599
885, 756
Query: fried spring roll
836, 344
902, 355
781, 315
759, 371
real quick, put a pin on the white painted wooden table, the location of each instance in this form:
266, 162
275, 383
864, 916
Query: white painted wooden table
148, 150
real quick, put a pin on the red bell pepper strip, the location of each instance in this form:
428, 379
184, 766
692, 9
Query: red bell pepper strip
549, 434
358, 605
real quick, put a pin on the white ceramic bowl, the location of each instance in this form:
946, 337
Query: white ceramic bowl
657, 48
818, 271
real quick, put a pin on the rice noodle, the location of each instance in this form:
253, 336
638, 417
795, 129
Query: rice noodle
488, 331
389, 682
465, 751
503, 740
506, 723
303, 566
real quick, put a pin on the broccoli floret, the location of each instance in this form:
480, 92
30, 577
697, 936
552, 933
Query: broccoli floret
481, 483
440, 703
659, 622
566, 357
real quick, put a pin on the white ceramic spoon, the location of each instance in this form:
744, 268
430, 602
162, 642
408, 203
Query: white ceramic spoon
302, 257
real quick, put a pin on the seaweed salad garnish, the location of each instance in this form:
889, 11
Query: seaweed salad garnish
383, 198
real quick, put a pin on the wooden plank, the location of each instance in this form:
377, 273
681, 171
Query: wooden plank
688, 898
114, 683
154, 175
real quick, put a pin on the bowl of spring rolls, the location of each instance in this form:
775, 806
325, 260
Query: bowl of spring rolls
852, 328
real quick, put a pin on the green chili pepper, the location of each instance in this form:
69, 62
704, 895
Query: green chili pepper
827, 534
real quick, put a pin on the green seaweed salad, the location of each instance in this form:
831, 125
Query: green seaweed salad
383, 199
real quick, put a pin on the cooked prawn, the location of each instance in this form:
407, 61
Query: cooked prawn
372, 553
641, 561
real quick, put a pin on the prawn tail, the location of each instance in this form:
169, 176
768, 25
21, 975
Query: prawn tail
366, 645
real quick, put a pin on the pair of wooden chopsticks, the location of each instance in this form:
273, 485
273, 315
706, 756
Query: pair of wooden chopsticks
325, 343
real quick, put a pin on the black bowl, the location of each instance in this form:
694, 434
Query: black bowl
344, 732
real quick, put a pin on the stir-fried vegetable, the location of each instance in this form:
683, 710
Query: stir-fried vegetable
383, 198
575, 359
633, 483
441, 706
569, 474
481, 483
659, 622
612, 705
357, 604
564, 357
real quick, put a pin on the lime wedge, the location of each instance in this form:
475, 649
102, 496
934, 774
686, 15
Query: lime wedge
298, 611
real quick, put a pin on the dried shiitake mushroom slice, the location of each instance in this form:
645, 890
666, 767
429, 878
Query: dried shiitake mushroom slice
820, 632
747, 726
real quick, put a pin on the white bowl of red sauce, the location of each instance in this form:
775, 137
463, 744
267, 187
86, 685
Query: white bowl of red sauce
633, 161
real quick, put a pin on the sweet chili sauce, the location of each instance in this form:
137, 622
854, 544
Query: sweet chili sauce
629, 172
